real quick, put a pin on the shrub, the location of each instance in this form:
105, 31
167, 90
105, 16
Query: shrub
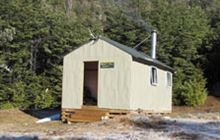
189, 84
38, 93
16, 94
194, 92
44, 99
6, 105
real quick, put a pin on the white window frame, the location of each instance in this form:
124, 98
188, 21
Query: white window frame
169, 83
154, 81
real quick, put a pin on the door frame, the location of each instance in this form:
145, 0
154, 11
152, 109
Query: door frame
83, 83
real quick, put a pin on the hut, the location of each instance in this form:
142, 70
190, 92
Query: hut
108, 75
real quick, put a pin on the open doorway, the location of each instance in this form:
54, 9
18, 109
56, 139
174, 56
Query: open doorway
90, 91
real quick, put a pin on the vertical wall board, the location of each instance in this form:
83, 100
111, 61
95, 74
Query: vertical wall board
114, 83
144, 95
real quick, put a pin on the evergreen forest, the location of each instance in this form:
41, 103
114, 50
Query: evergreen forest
35, 35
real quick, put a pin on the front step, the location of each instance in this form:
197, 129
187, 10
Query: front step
89, 114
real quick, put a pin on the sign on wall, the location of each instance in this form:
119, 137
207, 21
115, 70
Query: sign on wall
106, 65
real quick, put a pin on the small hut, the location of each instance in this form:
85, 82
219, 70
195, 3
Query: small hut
108, 75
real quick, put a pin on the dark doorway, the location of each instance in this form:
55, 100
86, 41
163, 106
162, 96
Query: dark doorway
90, 91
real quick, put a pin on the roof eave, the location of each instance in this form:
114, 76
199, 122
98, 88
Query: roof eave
164, 67
144, 59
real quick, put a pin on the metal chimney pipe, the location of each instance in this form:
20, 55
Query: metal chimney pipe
153, 43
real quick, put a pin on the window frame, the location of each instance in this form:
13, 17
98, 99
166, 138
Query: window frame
154, 81
169, 84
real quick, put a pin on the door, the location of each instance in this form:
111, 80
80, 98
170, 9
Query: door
90, 92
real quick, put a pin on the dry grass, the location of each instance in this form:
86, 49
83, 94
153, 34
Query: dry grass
19, 123
212, 104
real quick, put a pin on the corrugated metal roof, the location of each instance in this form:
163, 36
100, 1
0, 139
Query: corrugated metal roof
137, 56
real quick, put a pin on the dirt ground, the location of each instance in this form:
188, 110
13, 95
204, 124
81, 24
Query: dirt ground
16, 124
212, 104
21, 125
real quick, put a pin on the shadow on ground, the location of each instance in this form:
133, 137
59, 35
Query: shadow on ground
19, 138
42, 113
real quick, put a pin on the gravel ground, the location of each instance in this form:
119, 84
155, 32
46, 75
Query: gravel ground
16, 124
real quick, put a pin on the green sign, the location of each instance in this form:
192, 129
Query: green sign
106, 65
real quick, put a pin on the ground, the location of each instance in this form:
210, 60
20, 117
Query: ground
197, 123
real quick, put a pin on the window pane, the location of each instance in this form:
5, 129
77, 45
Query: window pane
169, 79
153, 75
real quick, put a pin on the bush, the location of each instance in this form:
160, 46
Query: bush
189, 84
34, 93
16, 94
194, 93
6, 105
44, 99
39, 93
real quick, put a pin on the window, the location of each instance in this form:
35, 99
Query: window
153, 76
169, 79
